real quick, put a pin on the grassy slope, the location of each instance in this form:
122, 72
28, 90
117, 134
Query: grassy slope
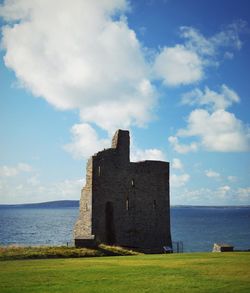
203, 272
36, 252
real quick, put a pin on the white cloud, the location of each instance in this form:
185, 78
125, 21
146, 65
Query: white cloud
80, 57
186, 63
177, 164
178, 65
11, 171
85, 57
148, 154
223, 191
8, 171
215, 128
179, 180
32, 190
243, 193
196, 42
182, 148
223, 195
227, 37
124, 110
67, 188
232, 178
220, 131
23, 167
212, 174
222, 100
34, 181
85, 141
20, 183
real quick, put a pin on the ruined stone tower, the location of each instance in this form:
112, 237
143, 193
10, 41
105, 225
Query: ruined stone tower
124, 203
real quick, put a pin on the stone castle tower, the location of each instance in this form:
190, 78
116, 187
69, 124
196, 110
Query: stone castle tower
124, 203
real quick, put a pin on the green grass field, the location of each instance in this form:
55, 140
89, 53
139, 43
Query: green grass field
196, 272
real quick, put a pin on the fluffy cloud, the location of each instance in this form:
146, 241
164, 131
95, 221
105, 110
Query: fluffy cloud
123, 111
223, 191
179, 180
222, 100
219, 131
86, 57
243, 193
82, 56
215, 128
185, 63
30, 189
177, 164
178, 65
212, 174
182, 148
228, 37
66, 189
148, 154
11, 171
21, 183
222, 195
232, 178
85, 141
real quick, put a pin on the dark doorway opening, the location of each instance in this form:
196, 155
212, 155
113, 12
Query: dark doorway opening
109, 223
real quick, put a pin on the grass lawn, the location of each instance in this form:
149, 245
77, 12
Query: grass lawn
194, 272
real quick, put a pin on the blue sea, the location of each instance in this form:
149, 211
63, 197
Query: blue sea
197, 227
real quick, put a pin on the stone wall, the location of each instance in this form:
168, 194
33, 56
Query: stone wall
125, 203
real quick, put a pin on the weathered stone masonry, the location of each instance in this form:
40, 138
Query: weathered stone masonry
124, 203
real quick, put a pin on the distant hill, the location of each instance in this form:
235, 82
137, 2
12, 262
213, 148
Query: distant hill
49, 204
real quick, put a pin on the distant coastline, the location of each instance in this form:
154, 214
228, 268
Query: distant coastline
49, 204
75, 203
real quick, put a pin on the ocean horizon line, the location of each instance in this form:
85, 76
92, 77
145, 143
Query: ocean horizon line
75, 203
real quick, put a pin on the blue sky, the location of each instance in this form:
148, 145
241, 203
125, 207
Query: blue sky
175, 73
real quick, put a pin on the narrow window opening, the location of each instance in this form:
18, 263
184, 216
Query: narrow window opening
99, 170
154, 204
133, 183
127, 204
86, 207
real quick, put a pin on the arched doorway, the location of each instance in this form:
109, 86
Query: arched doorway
109, 223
